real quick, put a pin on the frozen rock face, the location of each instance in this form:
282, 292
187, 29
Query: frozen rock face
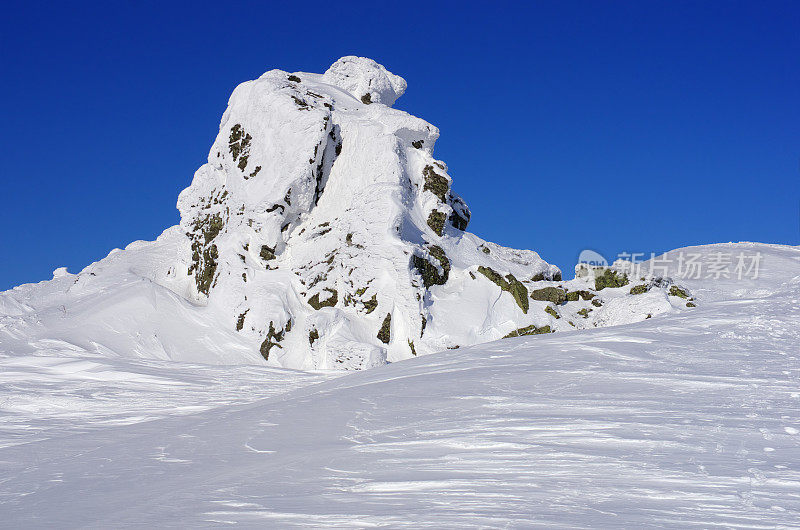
327, 231
366, 80
321, 234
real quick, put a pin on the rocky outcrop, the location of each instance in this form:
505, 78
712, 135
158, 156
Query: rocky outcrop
323, 207
322, 233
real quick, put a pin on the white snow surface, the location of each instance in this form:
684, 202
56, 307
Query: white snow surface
361, 76
689, 419
199, 379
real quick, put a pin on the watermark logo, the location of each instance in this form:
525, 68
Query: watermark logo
590, 257
684, 264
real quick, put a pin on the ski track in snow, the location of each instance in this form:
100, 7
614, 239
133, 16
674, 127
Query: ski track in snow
690, 419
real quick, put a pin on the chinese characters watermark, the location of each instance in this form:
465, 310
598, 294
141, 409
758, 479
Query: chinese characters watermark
685, 264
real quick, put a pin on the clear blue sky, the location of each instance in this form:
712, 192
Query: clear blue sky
617, 126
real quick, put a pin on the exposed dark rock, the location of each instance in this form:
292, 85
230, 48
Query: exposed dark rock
610, 278
273, 339
435, 183
385, 333
436, 221
240, 321
509, 284
679, 292
239, 145
204, 253
430, 273
331, 301
528, 330
371, 304
550, 294
574, 296
267, 253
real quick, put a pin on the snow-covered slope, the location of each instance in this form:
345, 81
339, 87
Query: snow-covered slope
321, 234
687, 419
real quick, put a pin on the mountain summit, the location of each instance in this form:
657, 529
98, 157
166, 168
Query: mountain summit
321, 234
325, 229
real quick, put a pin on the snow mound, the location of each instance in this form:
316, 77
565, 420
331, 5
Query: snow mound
366, 80
60, 272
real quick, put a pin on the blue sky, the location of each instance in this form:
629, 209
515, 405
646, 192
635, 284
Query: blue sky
617, 126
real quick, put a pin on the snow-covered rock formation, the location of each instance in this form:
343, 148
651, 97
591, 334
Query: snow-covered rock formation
321, 234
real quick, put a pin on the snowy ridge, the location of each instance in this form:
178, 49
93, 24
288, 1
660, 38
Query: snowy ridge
690, 419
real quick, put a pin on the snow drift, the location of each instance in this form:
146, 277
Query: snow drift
689, 419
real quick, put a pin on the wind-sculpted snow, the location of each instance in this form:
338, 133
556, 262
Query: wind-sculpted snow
366, 80
46, 397
687, 419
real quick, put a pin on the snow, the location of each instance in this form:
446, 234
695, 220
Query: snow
50, 396
361, 76
687, 419
320, 343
